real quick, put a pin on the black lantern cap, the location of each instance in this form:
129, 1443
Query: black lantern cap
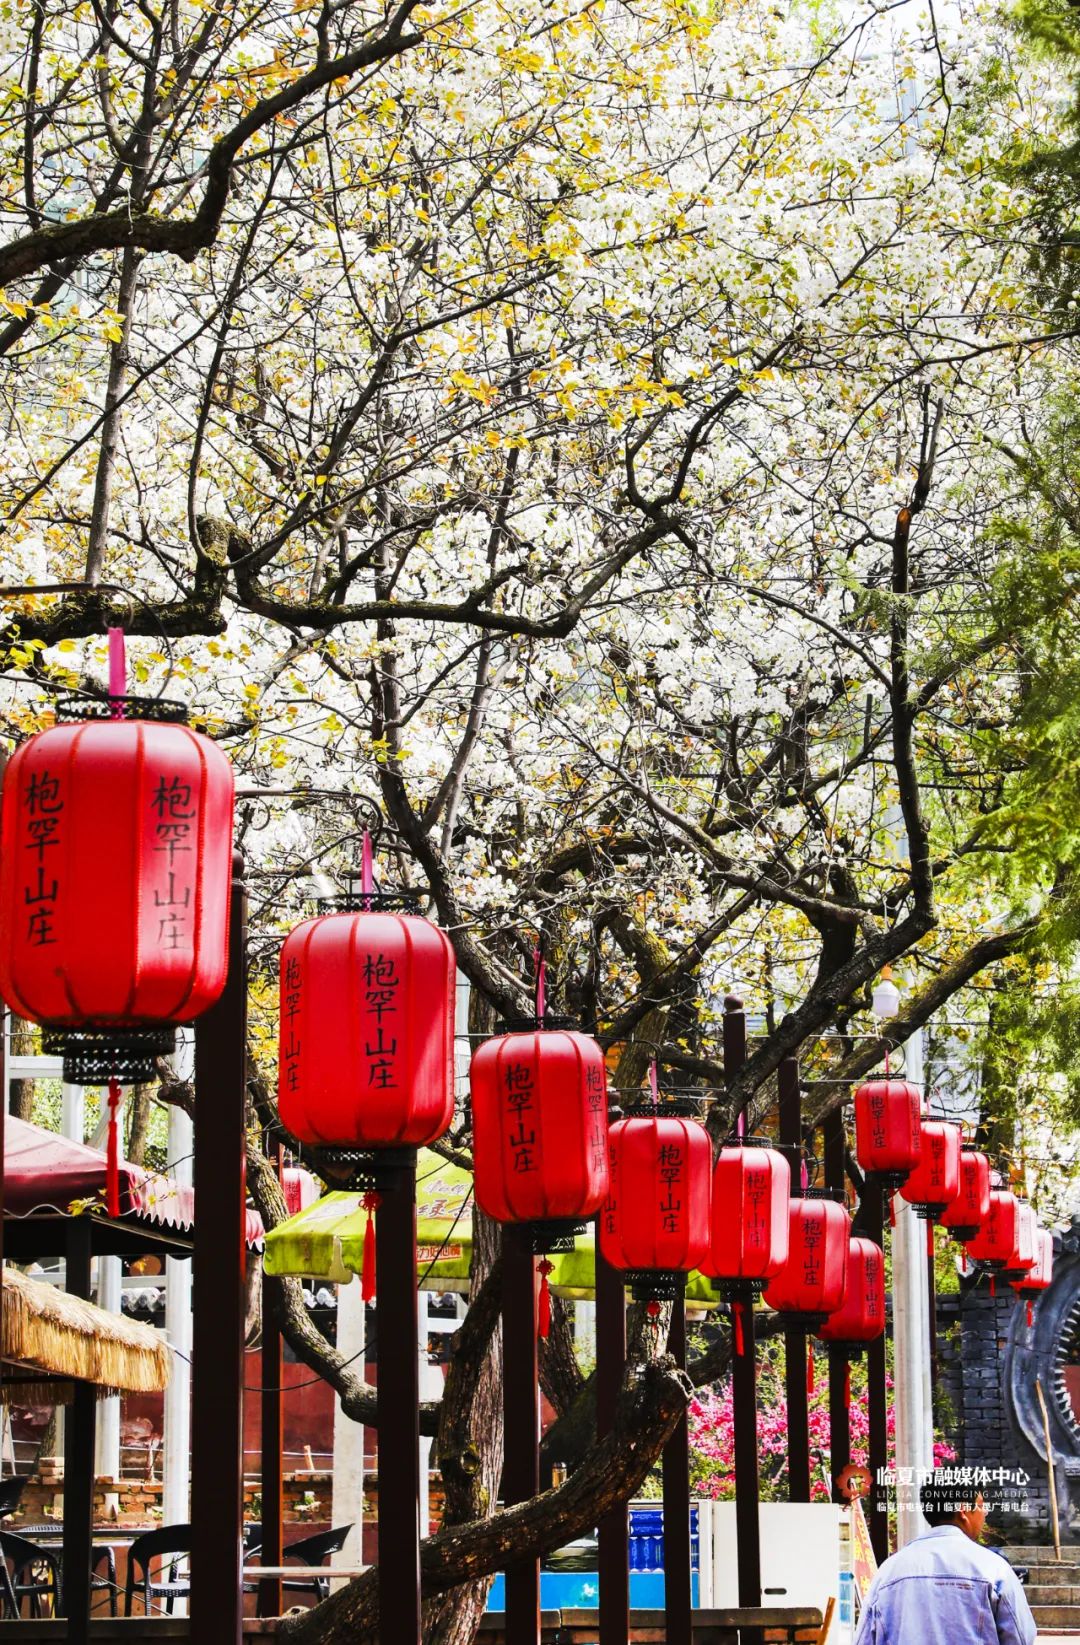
94, 1056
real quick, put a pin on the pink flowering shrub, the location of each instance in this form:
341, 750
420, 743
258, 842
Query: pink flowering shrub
712, 1436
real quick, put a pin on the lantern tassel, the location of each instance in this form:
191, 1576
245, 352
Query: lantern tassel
892, 1210
543, 1306
368, 1278
367, 872
737, 1319
929, 1239
847, 1385
112, 1155
809, 1366
993, 1285
117, 673
1030, 1314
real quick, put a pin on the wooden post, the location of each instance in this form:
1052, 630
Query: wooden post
220, 1260
396, 1327
613, 1546
272, 1444
744, 1376
521, 1424
678, 1592
78, 1460
1049, 1468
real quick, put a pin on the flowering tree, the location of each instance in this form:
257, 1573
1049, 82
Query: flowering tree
712, 1434
581, 428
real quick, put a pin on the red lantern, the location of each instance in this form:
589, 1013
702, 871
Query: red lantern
366, 1038
860, 1318
965, 1215
997, 1239
811, 1283
751, 1192
540, 1128
115, 868
888, 1119
1041, 1272
935, 1181
655, 1224
1025, 1251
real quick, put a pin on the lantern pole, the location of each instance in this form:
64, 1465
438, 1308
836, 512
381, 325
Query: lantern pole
839, 1369
744, 1371
794, 1341
521, 1423
678, 1579
872, 1209
613, 1544
219, 1263
396, 1325
271, 1442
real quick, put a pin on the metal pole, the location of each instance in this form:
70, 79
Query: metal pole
787, 1077
271, 1446
744, 1373
839, 1415
219, 1263
613, 1546
521, 1424
911, 1347
873, 1221
678, 1590
396, 1327
78, 1460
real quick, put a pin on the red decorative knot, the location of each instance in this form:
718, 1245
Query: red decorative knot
368, 1275
653, 1309
543, 1308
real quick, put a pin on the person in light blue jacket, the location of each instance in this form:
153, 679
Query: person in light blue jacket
943, 1589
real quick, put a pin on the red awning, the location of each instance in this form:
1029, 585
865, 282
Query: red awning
45, 1173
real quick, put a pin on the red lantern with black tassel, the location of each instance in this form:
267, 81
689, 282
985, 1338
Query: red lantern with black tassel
934, 1182
540, 1136
1005, 1244
654, 1226
366, 1040
965, 1215
751, 1192
810, 1285
116, 843
888, 1129
860, 1317
1039, 1275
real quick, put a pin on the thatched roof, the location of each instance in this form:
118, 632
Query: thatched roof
46, 1330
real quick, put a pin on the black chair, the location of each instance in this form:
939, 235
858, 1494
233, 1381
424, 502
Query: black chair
105, 1580
314, 1550
11, 1490
34, 1574
157, 1595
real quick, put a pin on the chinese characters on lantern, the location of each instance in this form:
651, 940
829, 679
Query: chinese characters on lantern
520, 1094
44, 806
670, 1166
290, 1011
174, 814
381, 984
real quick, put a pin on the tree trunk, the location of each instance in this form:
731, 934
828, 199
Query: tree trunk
21, 1102
653, 1398
141, 1105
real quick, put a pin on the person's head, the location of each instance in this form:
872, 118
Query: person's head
944, 1502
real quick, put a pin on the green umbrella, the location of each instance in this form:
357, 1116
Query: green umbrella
326, 1241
